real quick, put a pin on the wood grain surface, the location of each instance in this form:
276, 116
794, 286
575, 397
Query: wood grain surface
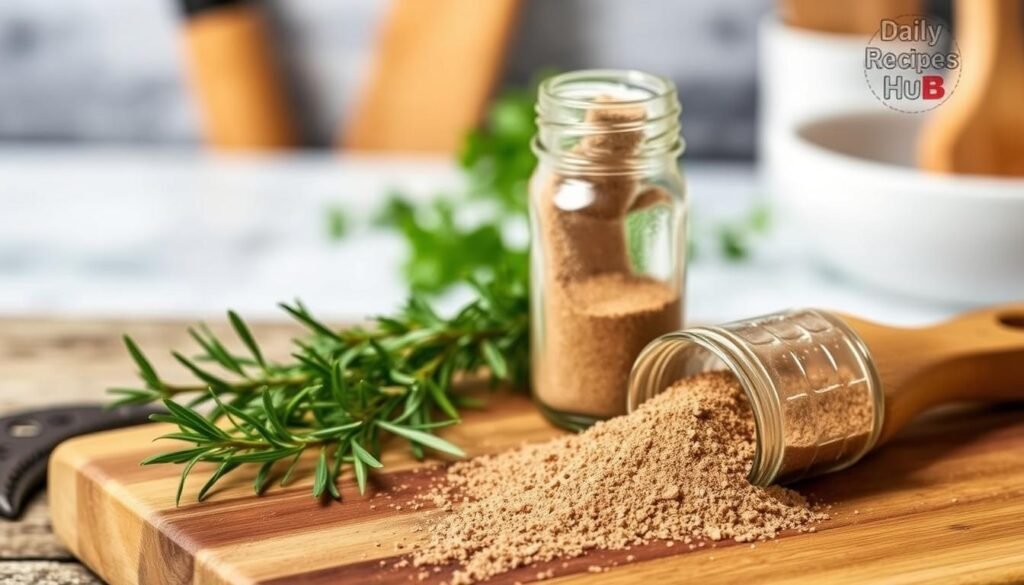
48, 361
942, 502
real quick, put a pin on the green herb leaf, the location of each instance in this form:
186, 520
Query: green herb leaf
360, 468
363, 455
321, 476
188, 418
184, 475
299, 312
249, 420
441, 400
243, 333
199, 372
216, 351
225, 468
494, 359
345, 390
291, 467
174, 456
425, 439
260, 483
337, 223
146, 370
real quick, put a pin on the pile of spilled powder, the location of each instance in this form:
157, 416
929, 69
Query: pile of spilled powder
674, 469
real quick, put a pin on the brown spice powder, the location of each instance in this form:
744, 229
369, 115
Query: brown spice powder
675, 469
601, 324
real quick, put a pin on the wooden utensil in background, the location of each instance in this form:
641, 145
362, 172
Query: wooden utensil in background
240, 94
435, 68
980, 128
844, 16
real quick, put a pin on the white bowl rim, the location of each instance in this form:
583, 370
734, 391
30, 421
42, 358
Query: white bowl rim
774, 22
958, 185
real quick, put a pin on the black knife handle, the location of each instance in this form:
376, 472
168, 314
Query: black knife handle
28, 437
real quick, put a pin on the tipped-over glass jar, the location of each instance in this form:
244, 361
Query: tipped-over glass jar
813, 389
607, 215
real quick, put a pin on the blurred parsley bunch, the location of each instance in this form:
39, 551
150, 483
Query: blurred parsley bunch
497, 161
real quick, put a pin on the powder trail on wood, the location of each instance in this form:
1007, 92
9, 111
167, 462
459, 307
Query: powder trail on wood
675, 469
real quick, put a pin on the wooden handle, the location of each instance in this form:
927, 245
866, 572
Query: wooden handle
976, 356
842, 16
996, 23
239, 92
980, 130
436, 65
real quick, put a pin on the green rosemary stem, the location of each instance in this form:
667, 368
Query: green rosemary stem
171, 390
344, 393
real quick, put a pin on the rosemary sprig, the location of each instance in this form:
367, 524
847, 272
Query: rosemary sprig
343, 394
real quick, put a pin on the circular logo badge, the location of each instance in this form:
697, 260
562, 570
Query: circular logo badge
912, 63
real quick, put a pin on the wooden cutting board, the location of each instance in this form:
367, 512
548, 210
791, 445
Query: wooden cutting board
944, 502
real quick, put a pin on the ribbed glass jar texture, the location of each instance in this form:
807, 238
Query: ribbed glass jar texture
813, 389
607, 215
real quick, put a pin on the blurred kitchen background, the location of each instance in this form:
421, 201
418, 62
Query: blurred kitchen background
116, 198
113, 71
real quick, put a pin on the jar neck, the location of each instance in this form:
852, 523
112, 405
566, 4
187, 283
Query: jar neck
601, 122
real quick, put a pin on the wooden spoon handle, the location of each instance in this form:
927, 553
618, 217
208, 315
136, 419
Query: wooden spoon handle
995, 22
976, 356
238, 86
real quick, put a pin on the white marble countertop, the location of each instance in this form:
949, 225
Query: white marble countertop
175, 233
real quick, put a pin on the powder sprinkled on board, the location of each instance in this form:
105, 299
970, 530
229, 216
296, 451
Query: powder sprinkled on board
674, 470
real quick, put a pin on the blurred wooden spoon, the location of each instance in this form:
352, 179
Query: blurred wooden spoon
435, 67
980, 129
843, 16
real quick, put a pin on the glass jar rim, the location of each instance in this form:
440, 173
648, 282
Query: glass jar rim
767, 459
656, 86
564, 106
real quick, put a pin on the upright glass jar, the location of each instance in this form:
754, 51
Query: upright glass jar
608, 219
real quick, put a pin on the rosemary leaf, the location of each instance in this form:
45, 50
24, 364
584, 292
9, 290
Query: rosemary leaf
364, 456
260, 483
184, 475
225, 468
190, 419
199, 372
322, 476
423, 438
291, 467
146, 371
361, 473
243, 333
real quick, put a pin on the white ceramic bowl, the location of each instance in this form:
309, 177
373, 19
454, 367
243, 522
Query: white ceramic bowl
847, 183
804, 73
